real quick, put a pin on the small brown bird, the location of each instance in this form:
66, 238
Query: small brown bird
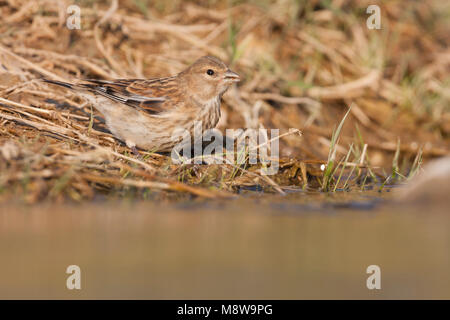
145, 112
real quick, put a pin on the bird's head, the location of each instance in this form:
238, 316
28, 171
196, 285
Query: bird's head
208, 77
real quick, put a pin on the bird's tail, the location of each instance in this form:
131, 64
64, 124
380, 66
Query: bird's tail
59, 83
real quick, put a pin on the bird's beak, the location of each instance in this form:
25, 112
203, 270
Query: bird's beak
232, 76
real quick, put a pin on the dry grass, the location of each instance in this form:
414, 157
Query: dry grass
303, 63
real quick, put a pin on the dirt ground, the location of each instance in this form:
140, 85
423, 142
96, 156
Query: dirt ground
302, 63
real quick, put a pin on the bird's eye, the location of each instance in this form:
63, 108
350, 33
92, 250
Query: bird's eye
210, 72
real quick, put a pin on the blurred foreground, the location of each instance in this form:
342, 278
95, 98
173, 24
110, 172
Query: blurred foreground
239, 249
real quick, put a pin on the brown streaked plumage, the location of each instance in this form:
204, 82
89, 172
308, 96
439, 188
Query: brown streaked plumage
145, 112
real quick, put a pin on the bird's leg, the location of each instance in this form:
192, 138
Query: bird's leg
135, 151
133, 148
196, 169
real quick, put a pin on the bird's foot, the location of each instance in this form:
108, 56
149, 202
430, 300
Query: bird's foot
133, 148
135, 151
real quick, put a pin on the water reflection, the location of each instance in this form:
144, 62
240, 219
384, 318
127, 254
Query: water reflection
250, 248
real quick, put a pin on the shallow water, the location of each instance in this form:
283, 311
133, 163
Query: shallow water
299, 246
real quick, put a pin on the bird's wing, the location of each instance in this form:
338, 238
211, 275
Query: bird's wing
154, 96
